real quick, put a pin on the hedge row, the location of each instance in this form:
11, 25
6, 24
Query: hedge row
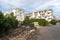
42, 22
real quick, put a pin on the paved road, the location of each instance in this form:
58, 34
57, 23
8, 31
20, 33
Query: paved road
47, 33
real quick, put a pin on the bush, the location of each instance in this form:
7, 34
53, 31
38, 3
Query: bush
42, 22
7, 23
1, 23
53, 22
26, 21
59, 21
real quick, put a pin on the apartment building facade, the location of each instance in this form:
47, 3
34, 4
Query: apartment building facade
19, 13
45, 14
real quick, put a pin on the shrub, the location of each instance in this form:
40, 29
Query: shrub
1, 23
27, 21
59, 21
53, 22
10, 22
7, 22
42, 22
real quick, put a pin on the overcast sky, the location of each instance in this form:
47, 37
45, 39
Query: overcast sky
31, 5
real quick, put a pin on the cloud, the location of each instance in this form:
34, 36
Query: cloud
15, 3
45, 5
6, 5
31, 5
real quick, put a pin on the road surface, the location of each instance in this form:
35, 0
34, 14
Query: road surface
46, 33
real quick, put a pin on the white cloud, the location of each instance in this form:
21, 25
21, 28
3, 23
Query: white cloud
45, 5
15, 3
31, 5
56, 3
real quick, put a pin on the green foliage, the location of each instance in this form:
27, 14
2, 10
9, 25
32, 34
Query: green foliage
11, 20
59, 21
33, 20
7, 23
53, 22
1, 22
1, 18
27, 21
42, 22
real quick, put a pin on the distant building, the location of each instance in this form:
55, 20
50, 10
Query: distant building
45, 14
19, 13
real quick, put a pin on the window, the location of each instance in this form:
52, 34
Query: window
43, 14
39, 11
48, 13
45, 10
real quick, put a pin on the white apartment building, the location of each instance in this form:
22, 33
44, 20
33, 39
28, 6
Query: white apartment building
19, 13
45, 14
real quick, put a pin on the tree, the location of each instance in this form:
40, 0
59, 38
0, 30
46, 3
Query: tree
2, 28
1, 18
53, 22
7, 23
11, 21
42, 22
59, 21
27, 21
